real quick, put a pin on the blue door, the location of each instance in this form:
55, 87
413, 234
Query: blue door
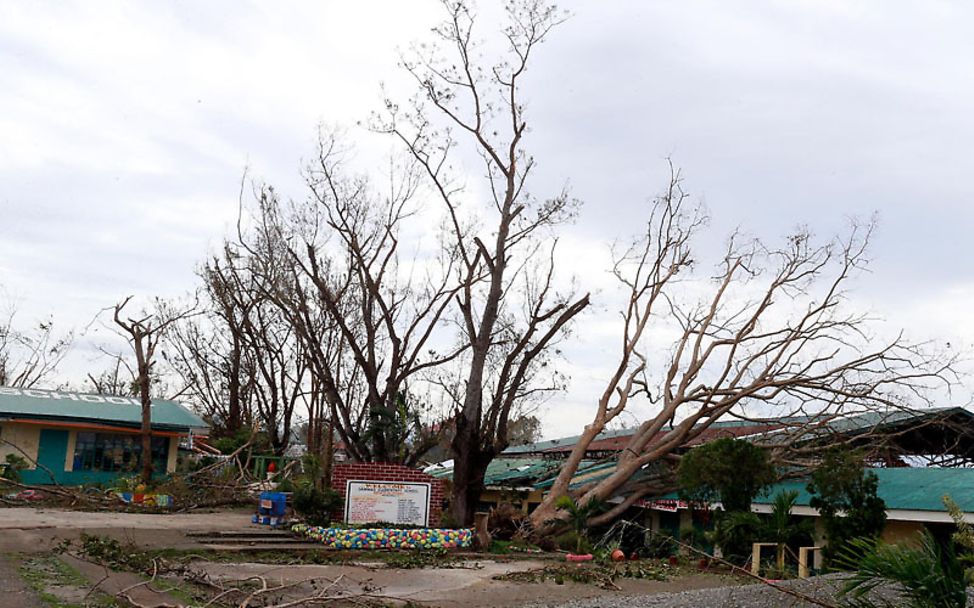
51, 452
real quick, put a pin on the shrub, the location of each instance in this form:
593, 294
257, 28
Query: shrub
315, 505
845, 494
735, 533
692, 537
547, 544
286, 485
573, 541
733, 471
447, 520
659, 546
14, 465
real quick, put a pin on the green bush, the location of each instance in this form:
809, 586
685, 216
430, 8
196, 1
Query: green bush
573, 541
845, 494
14, 465
732, 471
286, 485
735, 532
691, 536
658, 545
315, 505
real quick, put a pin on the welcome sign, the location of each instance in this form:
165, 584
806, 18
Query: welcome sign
387, 501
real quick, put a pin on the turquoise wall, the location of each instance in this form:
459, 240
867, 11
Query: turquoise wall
51, 454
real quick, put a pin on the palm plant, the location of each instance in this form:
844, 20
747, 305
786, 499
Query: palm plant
578, 516
926, 576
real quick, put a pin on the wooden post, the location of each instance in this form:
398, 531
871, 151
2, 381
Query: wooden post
803, 552
483, 534
756, 556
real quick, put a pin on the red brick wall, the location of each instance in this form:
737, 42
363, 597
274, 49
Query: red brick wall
373, 471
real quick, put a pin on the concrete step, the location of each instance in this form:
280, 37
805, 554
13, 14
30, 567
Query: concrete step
250, 541
254, 533
242, 548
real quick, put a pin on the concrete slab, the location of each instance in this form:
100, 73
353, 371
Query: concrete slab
16, 593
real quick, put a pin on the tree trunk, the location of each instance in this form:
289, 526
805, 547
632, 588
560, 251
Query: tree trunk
234, 423
146, 399
470, 463
546, 511
328, 453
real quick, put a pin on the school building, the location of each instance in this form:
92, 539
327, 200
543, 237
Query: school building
72, 438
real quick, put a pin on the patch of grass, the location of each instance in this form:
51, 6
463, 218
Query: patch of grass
50, 570
433, 558
44, 573
185, 593
589, 574
512, 547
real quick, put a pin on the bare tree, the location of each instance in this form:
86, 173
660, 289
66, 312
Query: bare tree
774, 338
368, 317
240, 359
29, 358
116, 379
144, 333
509, 309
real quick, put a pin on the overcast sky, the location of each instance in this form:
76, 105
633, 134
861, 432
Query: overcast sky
125, 129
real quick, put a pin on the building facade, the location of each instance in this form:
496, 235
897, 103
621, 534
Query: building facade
72, 438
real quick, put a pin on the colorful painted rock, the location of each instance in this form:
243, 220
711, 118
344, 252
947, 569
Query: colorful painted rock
386, 538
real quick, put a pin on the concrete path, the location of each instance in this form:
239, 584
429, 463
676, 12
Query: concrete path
33, 530
15, 592
111, 583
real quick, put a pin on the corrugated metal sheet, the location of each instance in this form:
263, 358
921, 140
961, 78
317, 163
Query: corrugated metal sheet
34, 404
910, 489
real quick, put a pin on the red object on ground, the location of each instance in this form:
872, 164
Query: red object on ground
618, 555
579, 558
272, 467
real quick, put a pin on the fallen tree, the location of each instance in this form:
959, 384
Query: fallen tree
774, 338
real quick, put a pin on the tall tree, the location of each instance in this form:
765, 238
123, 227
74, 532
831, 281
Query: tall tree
508, 307
369, 318
241, 359
144, 333
773, 335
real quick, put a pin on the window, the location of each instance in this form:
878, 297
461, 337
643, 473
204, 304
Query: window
117, 453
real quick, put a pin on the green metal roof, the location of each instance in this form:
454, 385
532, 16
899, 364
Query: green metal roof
512, 472
907, 488
588, 471
36, 404
570, 441
541, 446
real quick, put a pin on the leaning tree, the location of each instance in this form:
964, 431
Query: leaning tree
774, 336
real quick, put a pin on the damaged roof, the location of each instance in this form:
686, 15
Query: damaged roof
65, 406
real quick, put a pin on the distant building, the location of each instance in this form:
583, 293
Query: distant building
76, 438
522, 475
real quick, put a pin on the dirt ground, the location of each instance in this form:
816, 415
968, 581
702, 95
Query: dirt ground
31, 531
